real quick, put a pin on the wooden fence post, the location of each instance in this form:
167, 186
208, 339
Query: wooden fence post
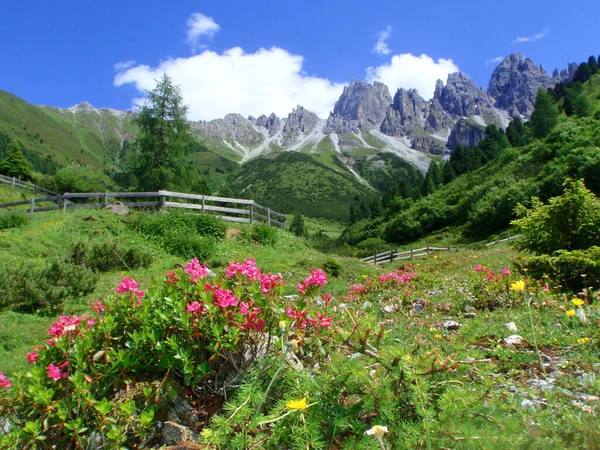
163, 207
203, 203
251, 212
105, 199
411, 253
269, 216
32, 207
509, 236
13, 182
427, 248
64, 204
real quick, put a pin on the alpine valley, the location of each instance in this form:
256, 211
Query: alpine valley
370, 141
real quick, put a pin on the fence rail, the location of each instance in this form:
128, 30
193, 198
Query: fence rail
230, 209
24, 185
394, 255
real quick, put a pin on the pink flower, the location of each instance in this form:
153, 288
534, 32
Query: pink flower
327, 298
251, 321
269, 282
53, 372
478, 268
245, 307
172, 277
320, 321
51, 342
195, 307
91, 323
247, 268
196, 270
356, 289
65, 325
210, 287
316, 279
505, 272
4, 382
130, 285
224, 298
32, 357
545, 288
297, 315
98, 306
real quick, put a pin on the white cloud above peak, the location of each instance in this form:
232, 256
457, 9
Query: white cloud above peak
199, 26
535, 37
381, 46
215, 84
412, 72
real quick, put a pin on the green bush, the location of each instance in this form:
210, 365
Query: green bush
44, 290
574, 269
110, 255
333, 267
12, 220
264, 235
191, 246
163, 226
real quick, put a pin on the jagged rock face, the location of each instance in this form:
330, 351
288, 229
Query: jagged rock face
465, 133
565, 75
362, 105
426, 144
300, 121
232, 127
271, 123
462, 97
515, 82
407, 112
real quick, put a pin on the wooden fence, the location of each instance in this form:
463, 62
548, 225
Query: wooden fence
24, 185
230, 209
394, 255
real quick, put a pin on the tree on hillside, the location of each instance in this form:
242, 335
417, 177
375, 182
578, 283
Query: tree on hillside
164, 137
298, 227
515, 132
15, 164
544, 116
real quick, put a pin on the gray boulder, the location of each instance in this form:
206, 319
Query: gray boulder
466, 133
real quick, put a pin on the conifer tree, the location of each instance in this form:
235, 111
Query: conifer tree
449, 173
15, 164
298, 227
544, 116
515, 132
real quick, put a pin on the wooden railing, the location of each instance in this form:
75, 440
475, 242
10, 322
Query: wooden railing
24, 185
394, 255
234, 210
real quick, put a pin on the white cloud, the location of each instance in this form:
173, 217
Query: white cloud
412, 72
381, 46
123, 65
495, 60
212, 84
200, 25
536, 37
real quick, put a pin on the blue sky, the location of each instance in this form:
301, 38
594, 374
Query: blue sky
63, 52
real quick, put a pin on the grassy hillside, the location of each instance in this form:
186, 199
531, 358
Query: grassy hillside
288, 181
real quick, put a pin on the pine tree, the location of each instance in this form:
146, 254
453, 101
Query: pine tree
164, 137
376, 207
514, 132
15, 164
298, 227
544, 116
449, 173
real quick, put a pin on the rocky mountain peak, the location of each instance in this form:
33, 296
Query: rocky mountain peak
515, 82
271, 123
300, 121
232, 127
462, 97
361, 107
82, 107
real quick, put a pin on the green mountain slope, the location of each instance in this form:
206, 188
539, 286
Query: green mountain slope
288, 181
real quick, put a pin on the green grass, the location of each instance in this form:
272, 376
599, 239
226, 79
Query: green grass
373, 141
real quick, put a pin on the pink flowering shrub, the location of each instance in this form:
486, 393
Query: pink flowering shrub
198, 330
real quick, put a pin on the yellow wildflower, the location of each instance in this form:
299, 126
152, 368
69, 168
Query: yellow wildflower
570, 313
518, 285
577, 302
378, 431
433, 329
438, 336
206, 433
299, 405
584, 340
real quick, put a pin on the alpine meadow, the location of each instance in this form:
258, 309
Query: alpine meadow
257, 254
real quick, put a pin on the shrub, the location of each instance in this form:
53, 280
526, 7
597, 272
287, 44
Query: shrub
264, 235
12, 220
188, 333
43, 290
333, 267
111, 255
191, 246
163, 226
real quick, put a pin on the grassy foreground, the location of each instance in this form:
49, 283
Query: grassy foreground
463, 353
